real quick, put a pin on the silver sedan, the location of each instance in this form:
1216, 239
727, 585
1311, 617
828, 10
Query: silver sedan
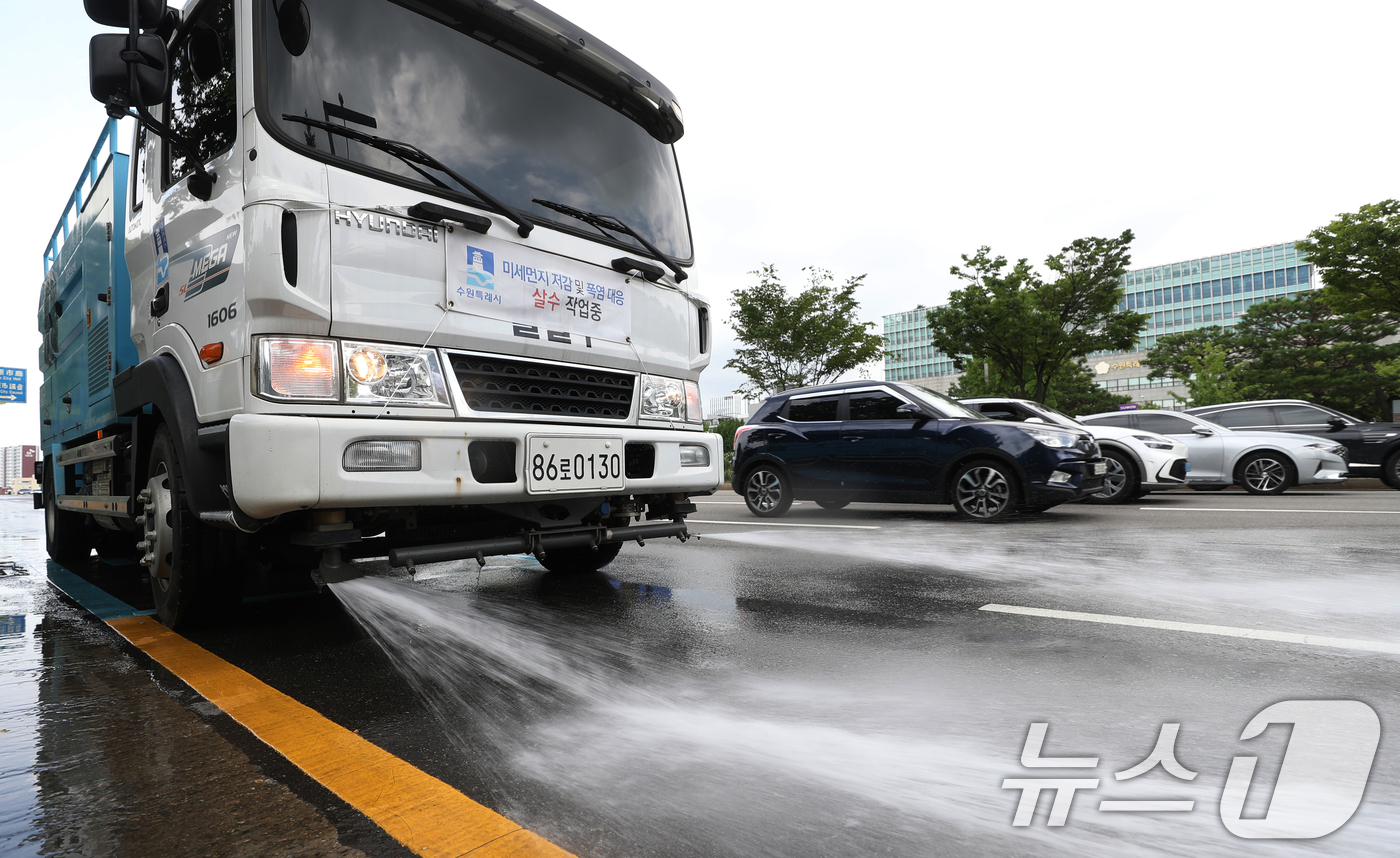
1261, 463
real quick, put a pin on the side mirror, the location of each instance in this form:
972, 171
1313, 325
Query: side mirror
109, 74
116, 13
294, 26
1033, 420
205, 52
1336, 423
909, 409
1204, 431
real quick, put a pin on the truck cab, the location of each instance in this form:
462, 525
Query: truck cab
405, 280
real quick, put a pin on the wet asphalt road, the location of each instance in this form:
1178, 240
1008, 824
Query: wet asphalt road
768, 690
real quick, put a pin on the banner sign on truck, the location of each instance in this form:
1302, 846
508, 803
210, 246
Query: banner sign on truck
505, 281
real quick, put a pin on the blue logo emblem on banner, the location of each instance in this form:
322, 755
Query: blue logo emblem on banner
481, 268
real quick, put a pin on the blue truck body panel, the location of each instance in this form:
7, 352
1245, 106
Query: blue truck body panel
85, 304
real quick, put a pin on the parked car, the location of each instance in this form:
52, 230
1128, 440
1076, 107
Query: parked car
900, 443
1138, 461
1373, 449
1261, 463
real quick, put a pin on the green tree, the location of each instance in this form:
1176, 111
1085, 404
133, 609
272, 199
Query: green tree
981, 378
1072, 390
1361, 255
1210, 380
1180, 355
1302, 348
1030, 327
726, 429
807, 339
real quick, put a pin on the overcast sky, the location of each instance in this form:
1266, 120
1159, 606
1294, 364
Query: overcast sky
889, 138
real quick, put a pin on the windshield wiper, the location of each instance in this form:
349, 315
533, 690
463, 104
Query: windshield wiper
413, 157
612, 224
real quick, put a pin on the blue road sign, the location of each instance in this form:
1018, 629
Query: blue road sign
12, 385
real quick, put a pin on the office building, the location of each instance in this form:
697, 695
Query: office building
1181, 296
17, 463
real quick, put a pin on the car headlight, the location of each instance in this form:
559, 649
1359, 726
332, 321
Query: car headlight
1155, 443
298, 369
1051, 438
1335, 449
670, 399
402, 375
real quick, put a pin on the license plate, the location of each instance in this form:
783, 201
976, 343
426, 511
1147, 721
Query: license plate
568, 463
1100, 468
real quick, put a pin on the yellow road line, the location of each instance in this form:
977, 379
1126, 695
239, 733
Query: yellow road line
415, 808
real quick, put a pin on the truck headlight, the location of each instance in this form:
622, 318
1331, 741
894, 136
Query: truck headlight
298, 369
663, 398
381, 374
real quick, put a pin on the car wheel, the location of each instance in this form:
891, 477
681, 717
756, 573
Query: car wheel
1120, 482
580, 561
767, 491
834, 504
985, 491
1265, 473
1390, 471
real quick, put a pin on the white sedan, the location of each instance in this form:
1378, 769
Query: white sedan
1138, 462
1261, 463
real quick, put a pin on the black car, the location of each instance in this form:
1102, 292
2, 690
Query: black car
890, 442
1373, 449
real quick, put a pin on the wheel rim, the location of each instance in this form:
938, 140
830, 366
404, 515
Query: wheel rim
983, 492
160, 536
765, 491
1114, 479
1264, 474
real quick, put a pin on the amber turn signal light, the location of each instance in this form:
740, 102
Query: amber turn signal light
212, 353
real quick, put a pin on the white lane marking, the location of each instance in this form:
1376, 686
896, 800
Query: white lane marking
785, 524
1271, 509
1202, 629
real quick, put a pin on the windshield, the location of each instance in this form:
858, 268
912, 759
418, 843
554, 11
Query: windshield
1058, 417
517, 130
941, 404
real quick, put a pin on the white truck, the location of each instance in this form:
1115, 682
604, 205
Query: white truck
379, 278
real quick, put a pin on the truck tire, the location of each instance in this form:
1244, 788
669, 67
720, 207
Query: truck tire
580, 561
67, 535
188, 561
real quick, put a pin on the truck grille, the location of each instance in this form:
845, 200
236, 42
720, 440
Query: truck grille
503, 386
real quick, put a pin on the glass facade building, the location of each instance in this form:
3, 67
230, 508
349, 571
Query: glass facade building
1212, 290
909, 356
1182, 296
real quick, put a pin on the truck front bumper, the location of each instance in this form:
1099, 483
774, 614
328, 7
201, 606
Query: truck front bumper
281, 463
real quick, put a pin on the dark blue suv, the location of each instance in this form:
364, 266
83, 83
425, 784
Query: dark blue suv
890, 442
